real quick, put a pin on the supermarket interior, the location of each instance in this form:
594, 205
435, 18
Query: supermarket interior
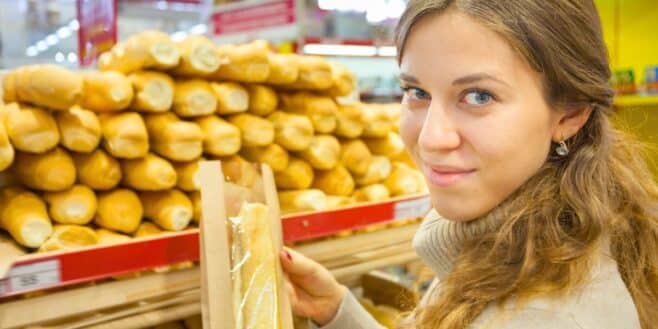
124, 123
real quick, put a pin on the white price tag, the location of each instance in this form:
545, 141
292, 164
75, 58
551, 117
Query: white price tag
412, 208
34, 276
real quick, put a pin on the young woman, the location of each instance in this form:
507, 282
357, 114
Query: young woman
545, 215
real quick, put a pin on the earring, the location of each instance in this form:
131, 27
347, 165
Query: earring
562, 149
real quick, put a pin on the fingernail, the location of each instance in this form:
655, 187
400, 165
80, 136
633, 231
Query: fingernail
288, 255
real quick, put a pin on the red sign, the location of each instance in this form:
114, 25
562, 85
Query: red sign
255, 17
98, 28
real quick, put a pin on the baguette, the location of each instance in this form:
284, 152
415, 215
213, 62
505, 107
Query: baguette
403, 180
372, 193
30, 129
302, 200
244, 63
292, 131
188, 175
50, 86
337, 201
378, 170
284, 69
263, 100
7, 152
337, 181
149, 49
314, 74
198, 57
50, 171
172, 138
106, 91
194, 98
255, 131
97, 170
119, 210
323, 153
170, 210
231, 97
379, 123
355, 156
321, 110
124, 135
220, 138
297, 176
76, 205
79, 129
273, 155
147, 229
150, 173
23, 214
106, 237
154, 91
389, 146
69, 237
239, 171
349, 121
344, 81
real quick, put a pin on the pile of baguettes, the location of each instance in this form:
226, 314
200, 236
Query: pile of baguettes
121, 144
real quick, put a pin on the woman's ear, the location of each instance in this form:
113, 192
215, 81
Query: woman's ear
570, 122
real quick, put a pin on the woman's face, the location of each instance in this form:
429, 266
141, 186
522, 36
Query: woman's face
474, 117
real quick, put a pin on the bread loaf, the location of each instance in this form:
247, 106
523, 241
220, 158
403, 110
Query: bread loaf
292, 131
344, 81
321, 110
69, 237
76, 205
97, 169
239, 171
149, 49
147, 229
273, 155
337, 201
154, 91
336, 181
231, 97
119, 210
79, 129
372, 193
389, 146
30, 129
355, 156
23, 214
302, 200
297, 176
198, 57
349, 121
402, 180
255, 131
124, 135
323, 153
108, 237
263, 100
7, 152
172, 138
379, 124
244, 63
220, 138
378, 169
171, 209
50, 171
194, 98
314, 74
188, 175
150, 173
106, 91
46, 85
284, 69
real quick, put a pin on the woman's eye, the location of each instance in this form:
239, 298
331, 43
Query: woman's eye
478, 98
415, 93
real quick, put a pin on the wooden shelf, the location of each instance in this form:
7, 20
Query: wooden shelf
155, 298
636, 101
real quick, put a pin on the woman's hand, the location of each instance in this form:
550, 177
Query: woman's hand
314, 292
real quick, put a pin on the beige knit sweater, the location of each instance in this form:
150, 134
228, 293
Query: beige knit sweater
603, 302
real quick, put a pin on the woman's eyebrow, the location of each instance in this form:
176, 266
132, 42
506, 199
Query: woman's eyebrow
408, 78
472, 78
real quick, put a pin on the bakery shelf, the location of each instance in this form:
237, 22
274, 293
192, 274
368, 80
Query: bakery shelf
47, 271
152, 299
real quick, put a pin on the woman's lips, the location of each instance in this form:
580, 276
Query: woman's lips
445, 176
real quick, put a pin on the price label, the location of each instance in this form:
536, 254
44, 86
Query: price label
34, 276
412, 208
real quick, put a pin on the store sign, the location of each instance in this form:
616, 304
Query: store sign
255, 17
98, 28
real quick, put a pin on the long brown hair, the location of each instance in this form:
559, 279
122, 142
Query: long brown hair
554, 224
